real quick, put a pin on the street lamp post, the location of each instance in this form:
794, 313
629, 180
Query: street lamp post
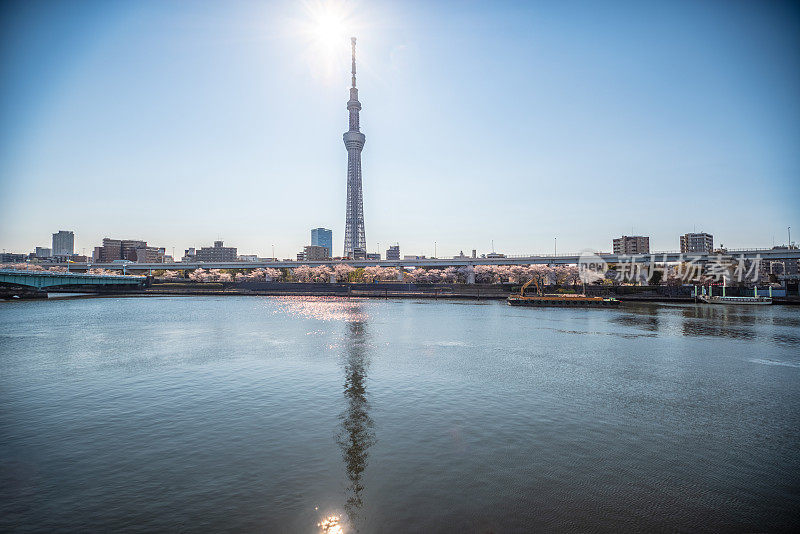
273, 252
555, 246
434, 250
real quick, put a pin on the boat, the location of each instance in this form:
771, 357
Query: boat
710, 298
734, 300
561, 301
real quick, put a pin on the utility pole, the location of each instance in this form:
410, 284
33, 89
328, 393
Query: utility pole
555, 246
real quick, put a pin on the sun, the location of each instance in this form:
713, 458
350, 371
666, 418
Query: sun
325, 30
329, 23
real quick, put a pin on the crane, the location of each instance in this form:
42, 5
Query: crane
526, 284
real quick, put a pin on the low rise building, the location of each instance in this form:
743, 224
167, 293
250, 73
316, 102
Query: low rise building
150, 255
217, 253
10, 257
393, 252
118, 249
632, 244
316, 253
697, 242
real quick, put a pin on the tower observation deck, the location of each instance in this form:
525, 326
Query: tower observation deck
354, 240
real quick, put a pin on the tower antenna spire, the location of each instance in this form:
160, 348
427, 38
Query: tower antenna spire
353, 45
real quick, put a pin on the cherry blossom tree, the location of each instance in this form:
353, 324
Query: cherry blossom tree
302, 273
371, 274
484, 274
272, 274
321, 274
450, 275
342, 272
199, 275
572, 275
388, 273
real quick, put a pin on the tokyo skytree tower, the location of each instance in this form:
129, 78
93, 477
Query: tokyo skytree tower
354, 240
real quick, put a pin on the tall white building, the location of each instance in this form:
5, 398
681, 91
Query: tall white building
63, 243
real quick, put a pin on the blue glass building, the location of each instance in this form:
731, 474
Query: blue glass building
322, 237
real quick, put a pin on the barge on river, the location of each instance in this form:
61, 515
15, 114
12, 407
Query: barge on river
561, 301
710, 298
735, 300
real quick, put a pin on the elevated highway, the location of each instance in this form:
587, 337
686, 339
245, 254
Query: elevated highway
566, 259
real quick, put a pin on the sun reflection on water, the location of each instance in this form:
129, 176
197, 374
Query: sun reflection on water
322, 308
331, 525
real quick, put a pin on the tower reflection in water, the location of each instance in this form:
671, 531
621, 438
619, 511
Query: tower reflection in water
356, 433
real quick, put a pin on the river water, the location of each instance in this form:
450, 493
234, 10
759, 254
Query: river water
271, 414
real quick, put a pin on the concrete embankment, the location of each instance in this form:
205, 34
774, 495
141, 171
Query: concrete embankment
629, 294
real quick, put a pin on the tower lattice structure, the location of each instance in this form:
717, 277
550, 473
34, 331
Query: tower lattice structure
354, 240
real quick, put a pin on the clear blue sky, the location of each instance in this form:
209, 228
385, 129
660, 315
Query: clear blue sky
183, 122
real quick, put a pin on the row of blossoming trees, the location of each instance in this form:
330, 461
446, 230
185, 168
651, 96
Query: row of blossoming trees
488, 274
485, 274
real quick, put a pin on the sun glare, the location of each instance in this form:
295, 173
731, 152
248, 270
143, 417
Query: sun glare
328, 25
327, 28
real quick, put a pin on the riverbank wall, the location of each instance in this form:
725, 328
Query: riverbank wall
677, 294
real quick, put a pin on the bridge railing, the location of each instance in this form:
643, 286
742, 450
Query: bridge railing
45, 272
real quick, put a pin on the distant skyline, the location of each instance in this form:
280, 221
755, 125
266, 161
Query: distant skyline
183, 123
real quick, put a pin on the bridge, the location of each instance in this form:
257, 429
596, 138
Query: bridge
463, 261
45, 279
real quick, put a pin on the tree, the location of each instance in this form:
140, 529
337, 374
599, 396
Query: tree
484, 274
272, 274
321, 274
541, 273
342, 272
372, 274
302, 273
572, 274
389, 273
198, 275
